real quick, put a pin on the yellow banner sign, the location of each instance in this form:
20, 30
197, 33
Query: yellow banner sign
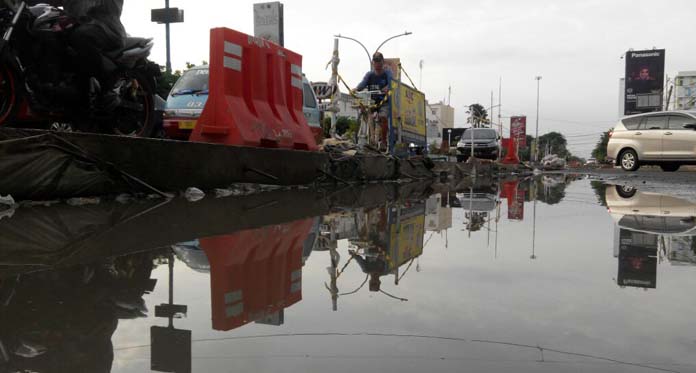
408, 108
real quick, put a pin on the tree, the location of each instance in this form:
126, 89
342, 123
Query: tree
479, 116
553, 143
166, 81
600, 151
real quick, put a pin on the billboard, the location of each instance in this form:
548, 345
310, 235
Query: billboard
518, 130
392, 64
645, 76
268, 22
408, 110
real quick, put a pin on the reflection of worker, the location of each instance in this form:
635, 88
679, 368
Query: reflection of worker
378, 79
374, 264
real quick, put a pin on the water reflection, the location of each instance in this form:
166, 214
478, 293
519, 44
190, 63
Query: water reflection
63, 320
70, 274
651, 228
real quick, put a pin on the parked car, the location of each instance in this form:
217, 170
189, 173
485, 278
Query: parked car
190, 93
485, 144
667, 139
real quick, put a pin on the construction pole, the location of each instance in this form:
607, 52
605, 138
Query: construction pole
490, 115
500, 118
536, 136
333, 83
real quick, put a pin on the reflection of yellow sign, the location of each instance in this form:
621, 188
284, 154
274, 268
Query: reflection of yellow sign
408, 108
408, 243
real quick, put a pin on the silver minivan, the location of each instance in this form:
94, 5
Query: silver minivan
667, 139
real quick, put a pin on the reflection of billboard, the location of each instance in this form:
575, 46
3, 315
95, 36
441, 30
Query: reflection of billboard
645, 71
637, 259
408, 111
406, 232
518, 130
268, 22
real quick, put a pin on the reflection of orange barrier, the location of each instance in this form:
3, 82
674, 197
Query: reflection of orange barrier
255, 95
255, 274
515, 199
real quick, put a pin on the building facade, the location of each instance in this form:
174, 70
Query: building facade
685, 87
438, 117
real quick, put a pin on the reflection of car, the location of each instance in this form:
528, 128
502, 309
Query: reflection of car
649, 226
485, 144
667, 139
190, 93
651, 212
479, 200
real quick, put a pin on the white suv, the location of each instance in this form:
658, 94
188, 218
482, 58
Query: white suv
667, 139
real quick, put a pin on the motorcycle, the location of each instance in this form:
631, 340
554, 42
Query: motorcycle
41, 88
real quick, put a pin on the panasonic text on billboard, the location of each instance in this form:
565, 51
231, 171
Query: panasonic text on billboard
645, 75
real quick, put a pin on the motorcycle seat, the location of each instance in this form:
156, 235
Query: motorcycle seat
130, 43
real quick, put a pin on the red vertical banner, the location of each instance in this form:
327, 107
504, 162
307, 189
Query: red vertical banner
518, 130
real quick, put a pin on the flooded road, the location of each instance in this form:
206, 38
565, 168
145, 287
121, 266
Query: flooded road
555, 274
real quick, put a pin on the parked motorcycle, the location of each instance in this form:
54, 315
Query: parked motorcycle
40, 86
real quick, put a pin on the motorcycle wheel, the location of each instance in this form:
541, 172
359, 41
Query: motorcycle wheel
8, 94
135, 116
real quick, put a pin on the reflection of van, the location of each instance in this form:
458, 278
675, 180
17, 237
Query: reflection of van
651, 212
190, 93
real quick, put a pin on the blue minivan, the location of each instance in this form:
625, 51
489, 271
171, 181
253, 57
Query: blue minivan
190, 93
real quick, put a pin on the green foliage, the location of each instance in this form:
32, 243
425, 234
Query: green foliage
166, 81
553, 143
479, 116
600, 150
525, 151
190, 65
345, 127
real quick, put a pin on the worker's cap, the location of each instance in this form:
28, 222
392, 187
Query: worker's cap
377, 57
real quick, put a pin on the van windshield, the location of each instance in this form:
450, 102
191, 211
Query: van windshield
480, 134
192, 82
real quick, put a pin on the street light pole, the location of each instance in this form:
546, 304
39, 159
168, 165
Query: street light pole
369, 56
536, 136
406, 33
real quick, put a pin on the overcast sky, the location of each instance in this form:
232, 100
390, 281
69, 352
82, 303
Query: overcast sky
575, 45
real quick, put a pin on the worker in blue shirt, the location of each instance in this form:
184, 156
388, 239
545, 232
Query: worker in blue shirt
378, 79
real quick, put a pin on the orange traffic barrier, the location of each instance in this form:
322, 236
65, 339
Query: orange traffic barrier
255, 95
255, 274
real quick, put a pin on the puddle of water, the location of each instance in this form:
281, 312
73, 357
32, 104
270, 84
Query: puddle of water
553, 274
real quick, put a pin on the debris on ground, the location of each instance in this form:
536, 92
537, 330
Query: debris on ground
83, 201
553, 163
7, 200
124, 198
194, 194
7, 207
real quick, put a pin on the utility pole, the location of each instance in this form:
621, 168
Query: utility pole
167, 16
490, 115
449, 96
420, 82
536, 136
